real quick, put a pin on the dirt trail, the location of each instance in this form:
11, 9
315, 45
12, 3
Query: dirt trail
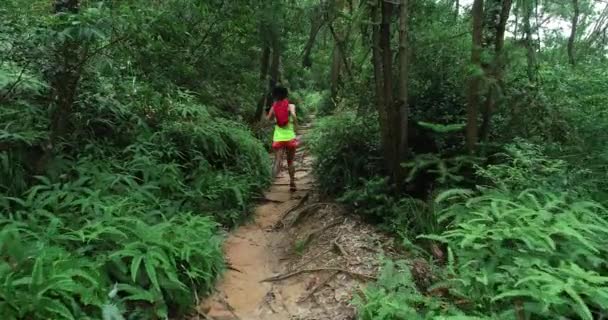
293, 232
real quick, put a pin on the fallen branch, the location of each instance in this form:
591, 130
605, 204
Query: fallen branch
15, 83
313, 258
319, 286
204, 315
230, 267
314, 233
267, 199
308, 208
339, 247
295, 273
230, 308
290, 210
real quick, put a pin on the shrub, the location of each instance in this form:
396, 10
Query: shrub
84, 239
346, 149
538, 249
395, 297
376, 201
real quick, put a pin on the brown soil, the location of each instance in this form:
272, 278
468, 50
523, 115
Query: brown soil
331, 253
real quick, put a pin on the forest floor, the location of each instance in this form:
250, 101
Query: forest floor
297, 257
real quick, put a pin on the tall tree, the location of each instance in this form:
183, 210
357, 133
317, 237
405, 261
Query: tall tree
336, 66
473, 98
528, 40
392, 112
65, 77
572, 37
264, 66
316, 24
270, 60
403, 149
497, 15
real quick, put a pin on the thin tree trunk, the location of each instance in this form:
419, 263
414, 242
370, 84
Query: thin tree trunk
66, 78
473, 94
275, 72
572, 38
403, 148
336, 69
501, 28
496, 70
390, 149
377, 63
516, 30
264, 63
379, 80
316, 23
530, 50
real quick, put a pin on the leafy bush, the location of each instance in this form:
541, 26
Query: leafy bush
527, 245
346, 149
120, 219
538, 249
395, 297
86, 238
376, 201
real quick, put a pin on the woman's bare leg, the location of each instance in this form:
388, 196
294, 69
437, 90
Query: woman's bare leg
291, 155
276, 168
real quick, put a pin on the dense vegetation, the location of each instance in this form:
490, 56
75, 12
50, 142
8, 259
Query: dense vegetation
125, 144
499, 182
474, 131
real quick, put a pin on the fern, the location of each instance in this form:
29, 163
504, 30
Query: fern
542, 248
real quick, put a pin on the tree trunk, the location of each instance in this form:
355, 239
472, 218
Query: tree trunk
275, 71
572, 38
377, 64
336, 69
473, 94
264, 63
66, 76
316, 23
391, 148
383, 117
530, 50
516, 29
496, 69
403, 148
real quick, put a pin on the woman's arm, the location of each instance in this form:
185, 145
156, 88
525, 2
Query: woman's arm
270, 114
292, 112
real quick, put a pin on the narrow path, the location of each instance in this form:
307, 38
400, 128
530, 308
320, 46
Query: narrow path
272, 244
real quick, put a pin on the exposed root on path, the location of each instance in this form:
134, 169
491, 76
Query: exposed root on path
299, 272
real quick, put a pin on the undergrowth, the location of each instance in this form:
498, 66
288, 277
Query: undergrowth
123, 217
530, 244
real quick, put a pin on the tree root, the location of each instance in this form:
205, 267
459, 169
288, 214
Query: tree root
313, 258
295, 273
310, 208
319, 286
315, 233
339, 247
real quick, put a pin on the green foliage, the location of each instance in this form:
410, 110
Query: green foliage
346, 149
528, 240
395, 297
448, 171
536, 247
119, 218
155, 253
376, 201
